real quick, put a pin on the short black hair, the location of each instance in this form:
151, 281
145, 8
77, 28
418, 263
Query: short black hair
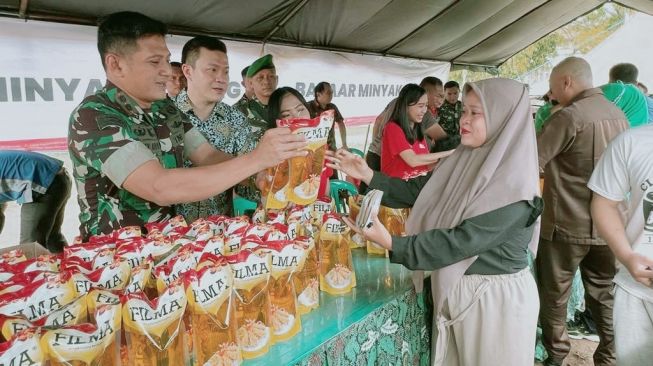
243, 73
430, 80
451, 84
119, 32
274, 104
175, 64
321, 87
624, 72
408, 95
191, 49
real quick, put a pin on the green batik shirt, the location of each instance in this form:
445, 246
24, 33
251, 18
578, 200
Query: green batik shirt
110, 136
257, 116
449, 115
227, 130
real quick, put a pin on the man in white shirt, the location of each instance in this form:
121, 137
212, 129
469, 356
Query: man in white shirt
625, 174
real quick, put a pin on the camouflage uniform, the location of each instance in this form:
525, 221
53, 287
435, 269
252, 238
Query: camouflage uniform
315, 109
449, 115
110, 136
224, 130
257, 116
241, 103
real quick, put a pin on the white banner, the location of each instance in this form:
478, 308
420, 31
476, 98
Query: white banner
46, 69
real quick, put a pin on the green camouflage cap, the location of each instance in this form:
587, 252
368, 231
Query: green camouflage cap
262, 63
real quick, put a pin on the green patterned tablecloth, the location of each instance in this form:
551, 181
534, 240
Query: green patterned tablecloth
381, 322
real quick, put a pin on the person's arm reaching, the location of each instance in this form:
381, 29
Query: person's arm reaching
414, 160
152, 182
398, 193
606, 215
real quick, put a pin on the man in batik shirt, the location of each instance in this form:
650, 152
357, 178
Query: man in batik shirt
206, 64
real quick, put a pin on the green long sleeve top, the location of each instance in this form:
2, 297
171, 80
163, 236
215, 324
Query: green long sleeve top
500, 237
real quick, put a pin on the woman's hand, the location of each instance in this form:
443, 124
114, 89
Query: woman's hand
350, 164
375, 231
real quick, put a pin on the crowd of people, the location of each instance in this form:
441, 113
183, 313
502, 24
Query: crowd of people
159, 140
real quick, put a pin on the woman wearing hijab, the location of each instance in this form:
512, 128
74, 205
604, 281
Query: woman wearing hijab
474, 218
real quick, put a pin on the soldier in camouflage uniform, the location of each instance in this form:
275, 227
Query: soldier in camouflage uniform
449, 114
221, 124
248, 90
126, 140
264, 80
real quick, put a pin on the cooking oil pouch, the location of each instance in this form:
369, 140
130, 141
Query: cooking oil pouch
20, 280
71, 314
337, 274
104, 258
171, 271
259, 216
154, 330
299, 177
319, 208
140, 276
166, 226
40, 298
307, 279
133, 251
214, 245
97, 297
356, 240
114, 276
287, 260
47, 263
251, 272
127, 232
85, 252
88, 344
23, 349
200, 229
394, 219
13, 257
213, 313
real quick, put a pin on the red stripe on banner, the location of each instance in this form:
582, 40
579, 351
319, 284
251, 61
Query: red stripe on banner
359, 120
51, 144
60, 144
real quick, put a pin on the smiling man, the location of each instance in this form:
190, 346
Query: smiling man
263, 78
206, 68
128, 140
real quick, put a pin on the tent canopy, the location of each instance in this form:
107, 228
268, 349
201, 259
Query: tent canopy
463, 32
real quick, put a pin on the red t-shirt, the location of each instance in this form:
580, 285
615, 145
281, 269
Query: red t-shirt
393, 143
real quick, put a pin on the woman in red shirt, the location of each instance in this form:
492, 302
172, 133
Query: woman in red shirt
404, 152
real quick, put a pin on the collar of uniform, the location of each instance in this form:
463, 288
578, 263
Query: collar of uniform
183, 103
255, 100
586, 93
126, 103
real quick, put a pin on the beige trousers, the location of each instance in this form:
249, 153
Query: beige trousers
488, 320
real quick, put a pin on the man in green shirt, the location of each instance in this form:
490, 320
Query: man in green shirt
127, 140
623, 92
263, 78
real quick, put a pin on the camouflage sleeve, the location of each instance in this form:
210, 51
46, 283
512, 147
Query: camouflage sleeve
125, 160
193, 139
96, 133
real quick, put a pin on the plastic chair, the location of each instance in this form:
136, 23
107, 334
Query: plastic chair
340, 190
242, 205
